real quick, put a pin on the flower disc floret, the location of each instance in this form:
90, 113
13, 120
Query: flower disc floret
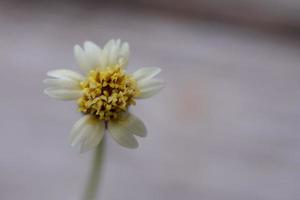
107, 93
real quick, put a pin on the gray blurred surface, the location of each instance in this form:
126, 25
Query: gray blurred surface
226, 127
263, 13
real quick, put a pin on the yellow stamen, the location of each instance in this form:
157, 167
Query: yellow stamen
107, 93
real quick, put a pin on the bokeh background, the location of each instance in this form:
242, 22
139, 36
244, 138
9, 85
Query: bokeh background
226, 127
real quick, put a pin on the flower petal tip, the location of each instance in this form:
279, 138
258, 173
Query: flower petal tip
132, 146
46, 92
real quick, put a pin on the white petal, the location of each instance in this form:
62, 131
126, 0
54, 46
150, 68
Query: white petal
109, 44
103, 59
149, 87
62, 83
63, 94
78, 130
125, 50
123, 130
93, 53
65, 74
124, 55
146, 73
89, 131
134, 124
122, 137
113, 55
80, 57
115, 52
92, 48
118, 43
93, 137
83, 60
149, 83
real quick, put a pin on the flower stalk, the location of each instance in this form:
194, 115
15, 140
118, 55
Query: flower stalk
94, 178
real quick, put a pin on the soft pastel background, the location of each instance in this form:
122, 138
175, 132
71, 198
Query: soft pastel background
226, 127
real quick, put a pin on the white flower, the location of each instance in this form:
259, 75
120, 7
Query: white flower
104, 93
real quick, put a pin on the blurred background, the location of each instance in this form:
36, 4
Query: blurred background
226, 127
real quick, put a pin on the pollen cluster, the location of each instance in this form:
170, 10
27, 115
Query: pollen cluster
107, 93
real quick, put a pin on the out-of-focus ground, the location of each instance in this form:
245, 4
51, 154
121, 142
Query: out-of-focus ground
278, 15
226, 127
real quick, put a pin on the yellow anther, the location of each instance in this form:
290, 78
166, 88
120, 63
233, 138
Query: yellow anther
107, 93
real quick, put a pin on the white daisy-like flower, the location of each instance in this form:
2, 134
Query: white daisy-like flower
104, 92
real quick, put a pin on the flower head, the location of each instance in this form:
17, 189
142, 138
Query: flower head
104, 93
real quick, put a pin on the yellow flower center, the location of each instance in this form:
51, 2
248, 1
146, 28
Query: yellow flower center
107, 93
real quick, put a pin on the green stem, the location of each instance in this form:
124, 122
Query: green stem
95, 173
